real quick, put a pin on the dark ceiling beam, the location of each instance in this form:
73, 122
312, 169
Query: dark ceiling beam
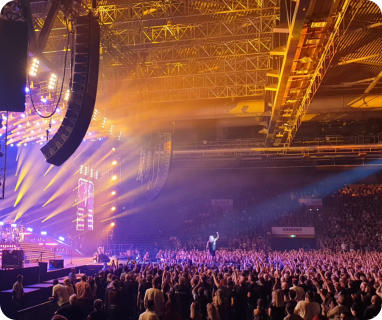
359, 59
48, 24
32, 39
373, 83
367, 91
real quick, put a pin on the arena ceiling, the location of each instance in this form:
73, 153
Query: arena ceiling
277, 64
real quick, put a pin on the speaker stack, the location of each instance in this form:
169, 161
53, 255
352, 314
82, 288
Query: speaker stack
56, 264
12, 259
83, 92
13, 63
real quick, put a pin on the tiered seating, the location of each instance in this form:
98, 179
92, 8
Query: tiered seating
34, 252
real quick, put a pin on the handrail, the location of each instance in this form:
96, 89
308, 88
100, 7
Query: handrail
314, 141
35, 306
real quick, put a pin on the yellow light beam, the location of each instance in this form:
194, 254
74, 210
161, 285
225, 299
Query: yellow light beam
22, 175
19, 196
50, 200
49, 169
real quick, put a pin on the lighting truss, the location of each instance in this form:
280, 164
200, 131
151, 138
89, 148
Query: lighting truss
111, 11
182, 49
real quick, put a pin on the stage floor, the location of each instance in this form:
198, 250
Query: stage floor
68, 262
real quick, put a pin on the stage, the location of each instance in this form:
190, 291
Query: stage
68, 262
39, 272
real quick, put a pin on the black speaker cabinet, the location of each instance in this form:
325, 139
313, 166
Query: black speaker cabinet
12, 259
56, 264
43, 268
13, 63
83, 92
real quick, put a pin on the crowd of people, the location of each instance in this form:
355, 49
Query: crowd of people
235, 284
246, 279
347, 220
351, 219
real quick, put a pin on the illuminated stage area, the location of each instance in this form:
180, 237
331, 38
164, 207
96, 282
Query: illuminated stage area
191, 160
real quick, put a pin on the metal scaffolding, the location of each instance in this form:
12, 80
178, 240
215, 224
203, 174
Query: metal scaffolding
178, 50
191, 50
172, 51
312, 45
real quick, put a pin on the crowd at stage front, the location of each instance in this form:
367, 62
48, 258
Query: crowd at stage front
236, 284
246, 280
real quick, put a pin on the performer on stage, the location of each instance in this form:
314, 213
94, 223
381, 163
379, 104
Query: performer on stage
211, 244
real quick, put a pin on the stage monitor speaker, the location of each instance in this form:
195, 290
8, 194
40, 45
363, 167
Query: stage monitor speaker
12, 259
56, 264
13, 65
83, 94
42, 270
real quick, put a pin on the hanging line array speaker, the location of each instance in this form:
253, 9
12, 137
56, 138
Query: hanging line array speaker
13, 63
83, 92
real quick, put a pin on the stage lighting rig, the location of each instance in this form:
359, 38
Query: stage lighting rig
66, 80
34, 67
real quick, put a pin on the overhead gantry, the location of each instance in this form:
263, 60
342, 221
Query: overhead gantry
313, 38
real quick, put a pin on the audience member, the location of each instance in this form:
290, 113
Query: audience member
60, 293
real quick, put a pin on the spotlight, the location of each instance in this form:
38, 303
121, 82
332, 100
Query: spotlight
114, 163
52, 81
13, 225
113, 149
30, 229
1, 223
114, 177
34, 67
27, 90
112, 224
61, 238
113, 208
113, 193
44, 233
